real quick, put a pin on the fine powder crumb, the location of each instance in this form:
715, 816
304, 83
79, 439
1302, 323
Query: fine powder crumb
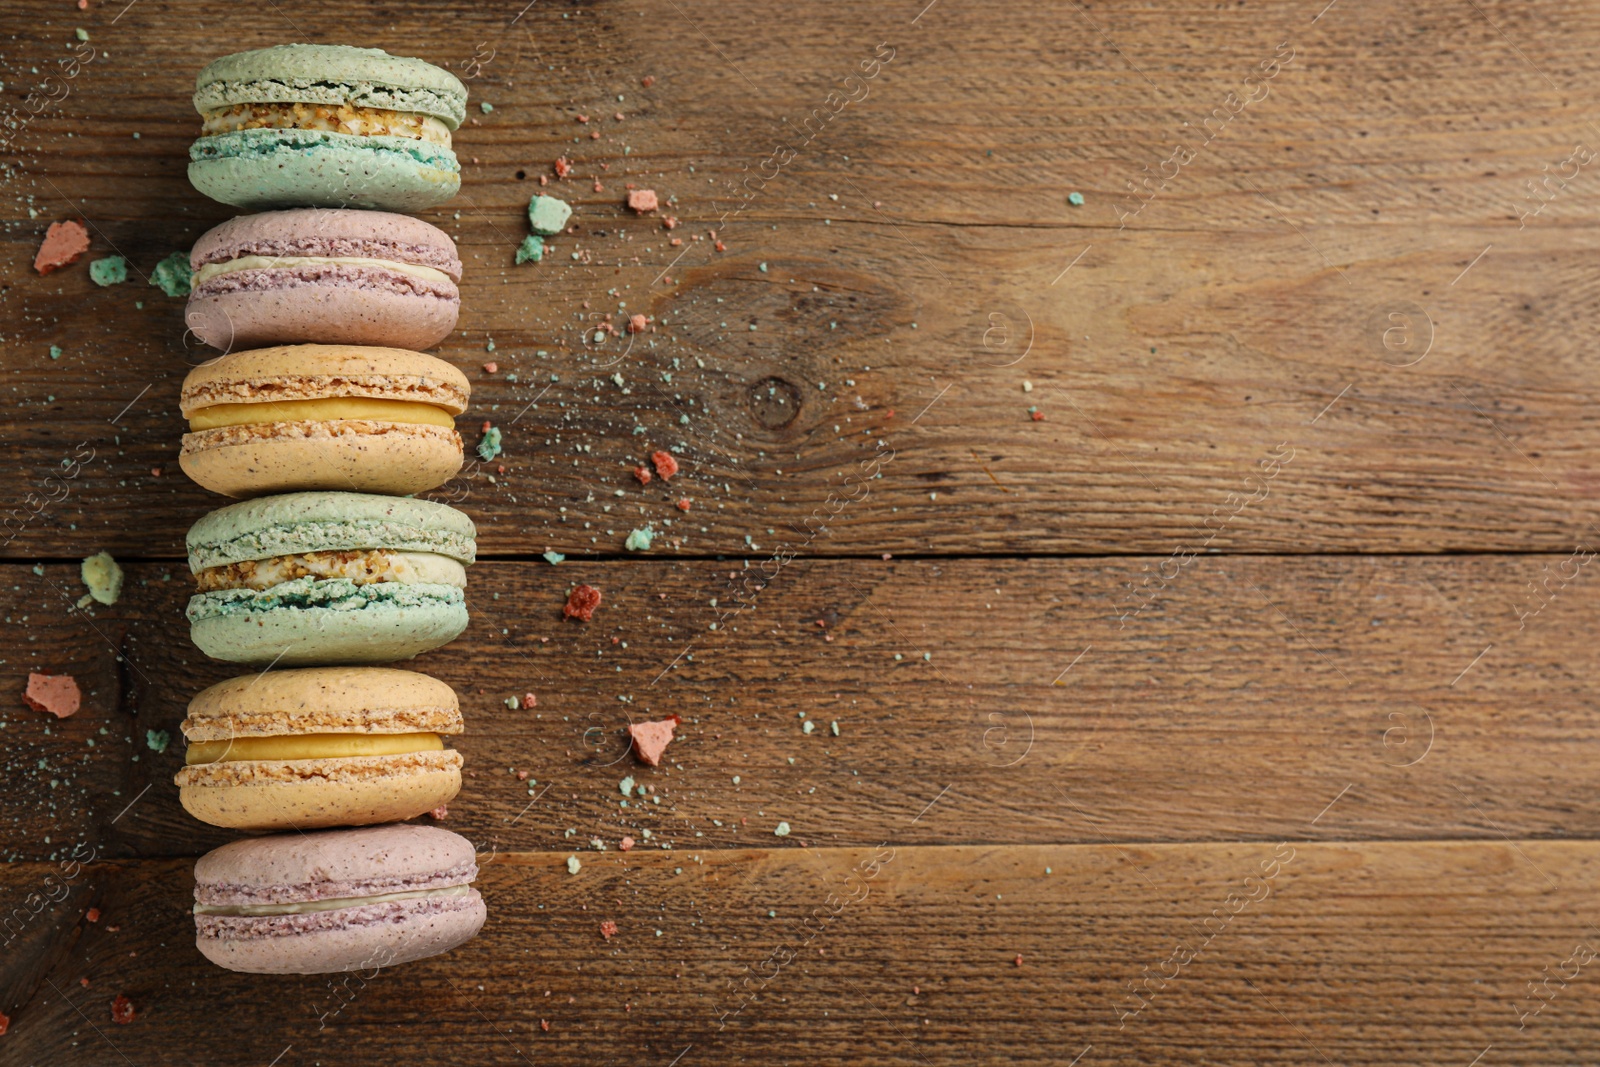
56, 693
581, 603
64, 242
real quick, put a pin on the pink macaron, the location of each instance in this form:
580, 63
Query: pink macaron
336, 900
326, 276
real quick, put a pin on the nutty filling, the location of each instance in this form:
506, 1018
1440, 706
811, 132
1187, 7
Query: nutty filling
361, 567
336, 118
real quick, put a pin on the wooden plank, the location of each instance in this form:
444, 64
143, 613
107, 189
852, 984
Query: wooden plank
1280, 292
1237, 704
1294, 952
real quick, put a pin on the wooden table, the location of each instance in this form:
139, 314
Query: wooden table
1196, 575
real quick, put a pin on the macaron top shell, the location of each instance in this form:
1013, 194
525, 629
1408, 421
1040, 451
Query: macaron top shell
332, 864
369, 700
328, 522
329, 232
331, 74
300, 372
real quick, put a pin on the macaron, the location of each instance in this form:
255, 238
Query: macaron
321, 746
270, 420
319, 125
328, 578
336, 900
324, 274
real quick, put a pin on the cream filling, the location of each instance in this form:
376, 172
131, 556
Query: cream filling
333, 904
416, 270
321, 409
375, 565
336, 118
310, 746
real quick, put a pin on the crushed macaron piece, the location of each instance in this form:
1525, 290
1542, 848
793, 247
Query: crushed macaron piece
638, 323
157, 740
581, 603
112, 270
639, 540
781, 830
489, 447
625, 844
573, 866
666, 464
548, 215
650, 739
642, 201
642, 473
172, 275
608, 929
63, 243
103, 577
122, 1011
56, 693
531, 249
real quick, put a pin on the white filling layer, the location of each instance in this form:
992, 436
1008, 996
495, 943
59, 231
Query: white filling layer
212, 270
332, 904
395, 566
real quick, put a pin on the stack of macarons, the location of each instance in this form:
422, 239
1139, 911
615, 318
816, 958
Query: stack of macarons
320, 416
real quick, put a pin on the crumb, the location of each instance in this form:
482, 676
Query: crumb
608, 929
5, 1023
581, 603
440, 813
1019, 959
172, 275
669, 223
103, 577
1036, 415
643, 474
112, 270
720, 247
531, 249
529, 700
573, 866
642, 201
625, 844
84, 982
650, 739
781, 830
647, 81
553, 558
544, 1024
63, 243
562, 167
548, 215
522, 776
56, 693
122, 1010
666, 464
92, 915
683, 504
637, 323
639, 540
1075, 199
485, 107
491, 368
489, 447
157, 740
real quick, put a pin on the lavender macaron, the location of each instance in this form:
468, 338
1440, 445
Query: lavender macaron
324, 275
336, 900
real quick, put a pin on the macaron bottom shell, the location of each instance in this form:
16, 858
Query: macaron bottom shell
344, 939
348, 455
270, 168
309, 621
268, 795
348, 313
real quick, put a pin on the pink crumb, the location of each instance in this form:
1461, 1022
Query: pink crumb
63, 243
122, 1011
562, 167
608, 929
643, 201
637, 323
666, 464
530, 700
93, 915
581, 603
683, 504
650, 739
649, 79
544, 1024
642, 473
490, 368
670, 222
440, 813
56, 693
1019, 959
625, 844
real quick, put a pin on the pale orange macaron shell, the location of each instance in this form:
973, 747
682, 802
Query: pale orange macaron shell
318, 747
341, 417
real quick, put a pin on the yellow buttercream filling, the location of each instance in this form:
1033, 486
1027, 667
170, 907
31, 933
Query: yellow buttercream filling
212, 270
326, 409
310, 746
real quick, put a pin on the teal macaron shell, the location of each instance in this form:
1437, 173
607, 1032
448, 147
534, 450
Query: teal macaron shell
309, 620
271, 167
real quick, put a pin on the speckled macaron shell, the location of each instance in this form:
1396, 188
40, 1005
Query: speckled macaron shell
282, 794
342, 454
330, 865
266, 168
309, 621
298, 296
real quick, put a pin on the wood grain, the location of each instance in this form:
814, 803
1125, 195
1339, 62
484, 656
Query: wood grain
1271, 294
1327, 953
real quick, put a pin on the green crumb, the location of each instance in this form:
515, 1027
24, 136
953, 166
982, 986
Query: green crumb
1075, 199
639, 540
763, 268
489, 447
531, 249
573, 865
485, 107
781, 830
553, 558
626, 785
807, 726
55, 351
113, 270
157, 740
103, 577
548, 215
834, 727
81, 33
172, 275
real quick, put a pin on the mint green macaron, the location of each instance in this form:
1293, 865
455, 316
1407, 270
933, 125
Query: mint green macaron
313, 125
328, 578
